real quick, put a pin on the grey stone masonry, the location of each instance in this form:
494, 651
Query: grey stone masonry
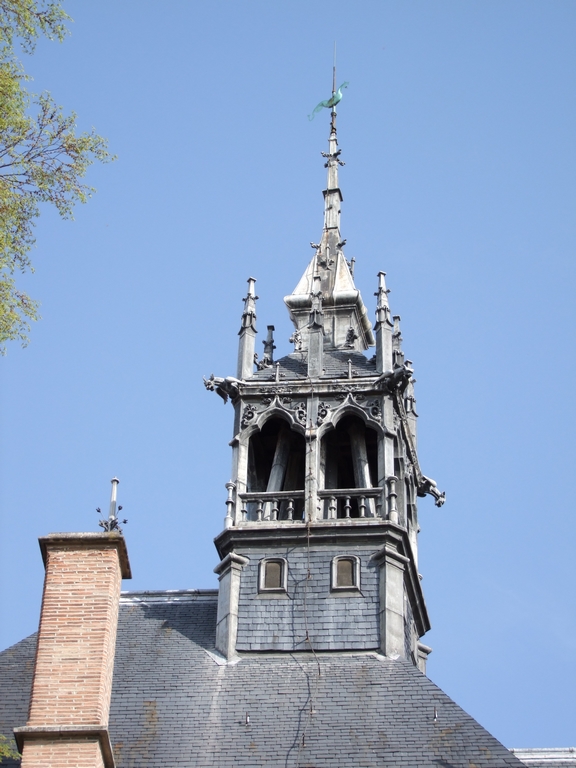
323, 438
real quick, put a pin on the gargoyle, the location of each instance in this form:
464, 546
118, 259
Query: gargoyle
428, 486
227, 387
397, 379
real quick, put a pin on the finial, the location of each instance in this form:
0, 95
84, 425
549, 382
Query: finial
112, 523
269, 347
333, 113
334, 71
382, 307
249, 314
316, 319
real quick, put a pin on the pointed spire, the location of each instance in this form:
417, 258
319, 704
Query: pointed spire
382, 306
247, 333
383, 327
332, 194
329, 267
249, 314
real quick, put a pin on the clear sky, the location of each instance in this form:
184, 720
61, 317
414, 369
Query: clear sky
458, 132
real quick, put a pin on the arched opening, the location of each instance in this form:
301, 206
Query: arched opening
276, 463
349, 459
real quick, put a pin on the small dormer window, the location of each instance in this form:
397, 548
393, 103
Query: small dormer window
346, 573
273, 574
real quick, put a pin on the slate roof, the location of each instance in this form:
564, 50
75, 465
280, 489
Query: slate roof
175, 703
335, 363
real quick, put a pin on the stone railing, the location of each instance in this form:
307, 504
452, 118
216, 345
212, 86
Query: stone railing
276, 505
334, 504
343, 503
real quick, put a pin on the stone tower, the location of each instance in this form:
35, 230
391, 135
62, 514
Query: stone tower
319, 547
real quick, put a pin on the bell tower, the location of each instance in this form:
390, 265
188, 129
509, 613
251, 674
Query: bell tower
319, 548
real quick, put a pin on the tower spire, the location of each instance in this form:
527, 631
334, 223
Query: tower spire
332, 194
328, 275
247, 333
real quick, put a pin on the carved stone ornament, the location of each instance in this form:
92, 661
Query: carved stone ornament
261, 364
248, 415
296, 339
228, 387
300, 413
281, 397
349, 389
283, 394
351, 337
374, 409
323, 409
325, 261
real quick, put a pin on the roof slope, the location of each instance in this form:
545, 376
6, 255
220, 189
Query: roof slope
174, 702
335, 363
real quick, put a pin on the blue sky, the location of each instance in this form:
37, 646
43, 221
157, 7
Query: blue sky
458, 134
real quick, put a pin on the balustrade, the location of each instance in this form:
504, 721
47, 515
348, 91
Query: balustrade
271, 506
351, 503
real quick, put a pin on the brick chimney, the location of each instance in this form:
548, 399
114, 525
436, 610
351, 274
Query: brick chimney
70, 701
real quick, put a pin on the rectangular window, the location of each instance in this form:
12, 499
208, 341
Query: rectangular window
346, 574
273, 575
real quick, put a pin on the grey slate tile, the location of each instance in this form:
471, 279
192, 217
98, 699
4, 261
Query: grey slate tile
172, 705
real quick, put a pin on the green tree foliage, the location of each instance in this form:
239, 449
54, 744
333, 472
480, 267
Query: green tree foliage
6, 750
42, 158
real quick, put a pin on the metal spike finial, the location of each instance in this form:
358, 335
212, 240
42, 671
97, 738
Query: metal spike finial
112, 523
334, 71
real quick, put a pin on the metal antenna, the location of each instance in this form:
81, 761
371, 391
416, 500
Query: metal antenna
112, 523
334, 71
112, 513
333, 113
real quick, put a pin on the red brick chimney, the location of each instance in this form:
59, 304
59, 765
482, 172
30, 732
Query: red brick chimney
68, 717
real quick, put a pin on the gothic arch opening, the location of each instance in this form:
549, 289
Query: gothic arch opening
349, 459
276, 463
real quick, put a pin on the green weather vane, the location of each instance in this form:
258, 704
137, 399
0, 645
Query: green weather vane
336, 97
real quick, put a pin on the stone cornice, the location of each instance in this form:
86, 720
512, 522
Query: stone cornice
296, 532
88, 541
68, 733
231, 560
